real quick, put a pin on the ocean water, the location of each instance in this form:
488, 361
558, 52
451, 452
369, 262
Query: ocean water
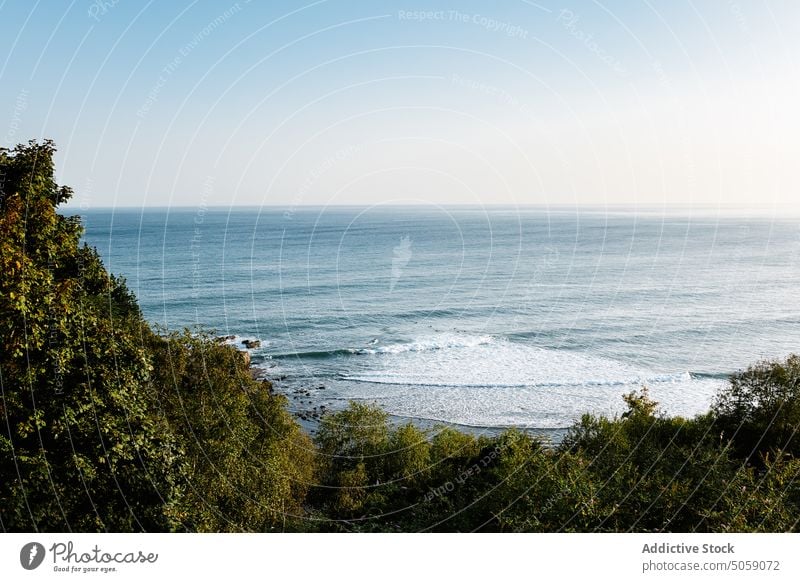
485, 318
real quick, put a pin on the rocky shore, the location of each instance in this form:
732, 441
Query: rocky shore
301, 401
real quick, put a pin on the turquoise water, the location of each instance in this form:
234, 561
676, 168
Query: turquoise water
482, 318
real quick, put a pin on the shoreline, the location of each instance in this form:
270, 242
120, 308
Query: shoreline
309, 418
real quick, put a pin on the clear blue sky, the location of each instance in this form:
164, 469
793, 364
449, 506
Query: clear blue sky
334, 102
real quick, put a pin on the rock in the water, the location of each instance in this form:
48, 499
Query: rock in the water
250, 344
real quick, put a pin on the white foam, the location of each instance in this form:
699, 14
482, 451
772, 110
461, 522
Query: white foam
237, 341
431, 343
502, 383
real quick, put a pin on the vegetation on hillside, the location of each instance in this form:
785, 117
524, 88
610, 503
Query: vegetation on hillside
108, 425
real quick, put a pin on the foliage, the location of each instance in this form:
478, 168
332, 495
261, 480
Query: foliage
760, 411
247, 464
106, 425
79, 449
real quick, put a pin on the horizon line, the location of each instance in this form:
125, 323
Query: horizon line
656, 205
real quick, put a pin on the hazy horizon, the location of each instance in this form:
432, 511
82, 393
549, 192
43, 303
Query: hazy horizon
73, 208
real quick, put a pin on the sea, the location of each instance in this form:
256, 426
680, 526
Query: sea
480, 317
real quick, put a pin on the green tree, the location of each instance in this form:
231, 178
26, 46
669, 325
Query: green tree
108, 426
352, 444
247, 465
79, 449
659, 473
759, 411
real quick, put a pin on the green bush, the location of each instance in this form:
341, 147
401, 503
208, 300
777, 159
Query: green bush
759, 412
247, 465
107, 426
80, 449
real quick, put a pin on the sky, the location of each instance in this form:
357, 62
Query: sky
194, 103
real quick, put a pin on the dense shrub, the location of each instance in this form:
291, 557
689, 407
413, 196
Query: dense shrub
106, 425
246, 464
760, 411
79, 449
